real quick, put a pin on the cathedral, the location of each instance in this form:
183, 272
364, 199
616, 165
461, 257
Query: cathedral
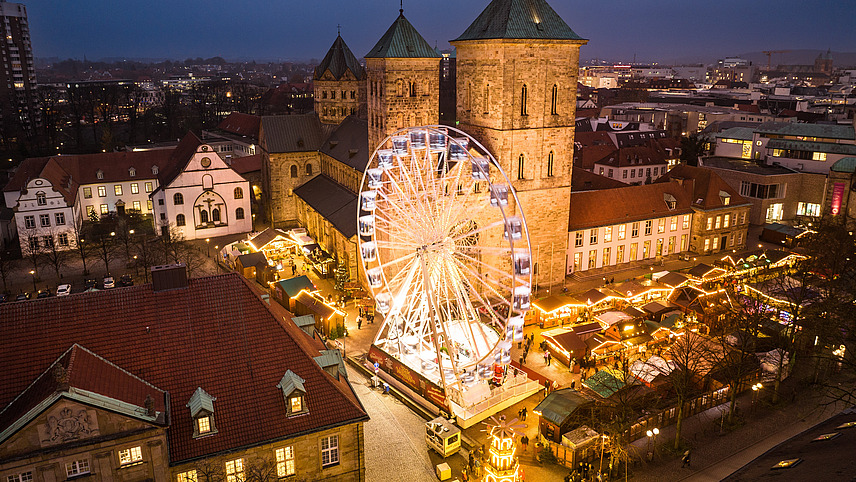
516, 71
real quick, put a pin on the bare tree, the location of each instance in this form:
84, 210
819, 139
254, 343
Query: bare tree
690, 354
6, 267
80, 244
31, 247
207, 470
146, 253
105, 244
54, 255
260, 469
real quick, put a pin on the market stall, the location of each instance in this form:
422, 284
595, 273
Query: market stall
555, 310
327, 317
321, 261
443, 437
565, 345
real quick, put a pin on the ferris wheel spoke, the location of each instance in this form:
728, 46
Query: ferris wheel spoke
489, 287
461, 256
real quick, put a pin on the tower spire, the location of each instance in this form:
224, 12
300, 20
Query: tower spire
338, 30
401, 7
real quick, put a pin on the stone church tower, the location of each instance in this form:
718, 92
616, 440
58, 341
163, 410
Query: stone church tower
517, 67
403, 81
339, 84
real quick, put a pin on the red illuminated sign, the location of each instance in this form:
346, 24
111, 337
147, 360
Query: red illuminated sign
837, 196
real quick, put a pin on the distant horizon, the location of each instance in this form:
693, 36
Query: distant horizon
665, 31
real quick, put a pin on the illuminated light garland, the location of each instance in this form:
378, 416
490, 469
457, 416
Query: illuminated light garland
502, 466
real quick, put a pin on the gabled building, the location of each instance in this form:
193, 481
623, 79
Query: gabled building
339, 83
632, 165
178, 380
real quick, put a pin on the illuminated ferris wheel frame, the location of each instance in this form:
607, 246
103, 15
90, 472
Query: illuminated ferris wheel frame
447, 265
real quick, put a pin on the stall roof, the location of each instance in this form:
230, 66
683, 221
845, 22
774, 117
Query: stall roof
561, 404
252, 259
591, 296
551, 303
569, 341
314, 304
612, 317
638, 340
293, 286
633, 312
262, 239
605, 382
703, 271
581, 435
657, 308
587, 328
672, 279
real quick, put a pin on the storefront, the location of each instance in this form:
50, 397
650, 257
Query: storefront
321, 261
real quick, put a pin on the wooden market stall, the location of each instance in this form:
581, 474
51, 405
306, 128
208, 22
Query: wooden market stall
565, 345
285, 291
327, 317
555, 310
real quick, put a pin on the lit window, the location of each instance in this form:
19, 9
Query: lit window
239, 193
135, 188
131, 455
22, 477
137, 206
87, 192
329, 451
818, 156
726, 220
189, 476
709, 223
104, 209
102, 191
235, 470
718, 222
661, 225
203, 424
621, 232
77, 467
99, 174
607, 234
148, 187
673, 225
296, 404
686, 222
117, 189
284, 461
41, 199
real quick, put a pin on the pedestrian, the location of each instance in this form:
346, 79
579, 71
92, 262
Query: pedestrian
573, 382
520, 414
359, 322
546, 358
524, 413
549, 357
524, 355
522, 360
293, 270
464, 476
685, 460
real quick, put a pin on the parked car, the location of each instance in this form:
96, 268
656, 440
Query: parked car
126, 280
63, 290
45, 293
89, 283
22, 297
109, 282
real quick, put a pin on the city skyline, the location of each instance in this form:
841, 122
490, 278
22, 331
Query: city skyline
675, 31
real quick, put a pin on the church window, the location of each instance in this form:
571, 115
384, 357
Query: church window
550, 164
308, 169
353, 94
239, 213
400, 87
523, 99
554, 99
177, 199
323, 94
520, 162
215, 215
333, 94
487, 99
412, 89
203, 216
179, 220
239, 193
293, 171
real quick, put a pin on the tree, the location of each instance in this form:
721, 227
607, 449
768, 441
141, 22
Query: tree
690, 354
693, 147
105, 244
31, 248
53, 255
6, 267
146, 253
83, 248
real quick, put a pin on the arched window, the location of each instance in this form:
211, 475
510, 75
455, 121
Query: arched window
215, 215
203, 216
487, 99
401, 87
239, 213
41, 199
308, 169
293, 171
207, 182
177, 199
554, 99
239, 193
412, 89
550, 164
520, 161
179, 220
523, 98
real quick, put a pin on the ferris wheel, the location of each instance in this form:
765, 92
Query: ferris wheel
445, 250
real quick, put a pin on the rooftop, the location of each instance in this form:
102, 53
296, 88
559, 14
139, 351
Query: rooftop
402, 40
519, 19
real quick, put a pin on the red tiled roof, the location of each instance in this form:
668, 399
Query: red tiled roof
245, 164
596, 138
588, 155
633, 156
705, 185
749, 108
582, 180
625, 204
215, 334
241, 124
85, 371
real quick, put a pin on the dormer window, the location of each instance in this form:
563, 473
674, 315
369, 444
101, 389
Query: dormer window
293, 393
99, 174
155, 170
670, 200
201, 407
725, 198
132, 172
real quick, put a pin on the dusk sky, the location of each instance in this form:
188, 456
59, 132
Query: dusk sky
664, 30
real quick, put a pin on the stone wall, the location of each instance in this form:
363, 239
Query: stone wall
337, 99
280, 184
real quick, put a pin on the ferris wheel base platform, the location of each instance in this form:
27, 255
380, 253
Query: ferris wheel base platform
503, 398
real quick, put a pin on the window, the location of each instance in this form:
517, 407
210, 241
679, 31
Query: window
726, 220
684, 239
739, 239
648, 225
673, 225
659, 249
554, 97
132, 172
520, 163
41, 199
131, 455
624, 174
148, 187
135, 188
189, 476
45, 220
707, 244
646, 249
137, 206
808, 209
761, 191
621, 232
239, 193
710, 223
99, 174
818, 156
308, 169
117, 189
550, 164
203, 424
215, 215
632, 174
296, 403
671, 248
62, 238
578, 261
523, 98
619, 254
578, 239
716, 242
293, 171
102, 191
607, 234
34, 243
177, 199
592, 259
593, 236
22, 477
203, 216
634, 230
633, 249
685, 224
661, 225
606, 256
87, 192
718, 223
239, 213
163, 216
743, 217
48, 241
775, 212
90, 210
179, 220
284, 461
235, 470
104, 209
60, 219
77, 467
329, 450
609, 173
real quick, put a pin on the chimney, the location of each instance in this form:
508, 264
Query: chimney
169, 277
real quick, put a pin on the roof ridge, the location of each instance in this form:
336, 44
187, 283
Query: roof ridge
35, 380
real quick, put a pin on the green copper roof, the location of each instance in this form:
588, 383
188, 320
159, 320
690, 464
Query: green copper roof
739, 133
402, 40
289, 383
340, 59
519, 19
199, 401
845, 164
824, 131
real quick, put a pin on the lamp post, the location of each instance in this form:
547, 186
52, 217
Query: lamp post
136, 266
217, 256
33, 272
602, 446
652, 439
208, 246
755, 391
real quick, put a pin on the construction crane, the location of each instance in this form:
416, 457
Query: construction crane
769, 54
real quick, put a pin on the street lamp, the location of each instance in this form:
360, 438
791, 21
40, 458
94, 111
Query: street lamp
33, 272
208, 246
755, 391
652, 436
136, 266
602, 445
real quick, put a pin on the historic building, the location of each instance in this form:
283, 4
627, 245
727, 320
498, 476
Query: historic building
402, 72
340, 84
517, 67
179, 380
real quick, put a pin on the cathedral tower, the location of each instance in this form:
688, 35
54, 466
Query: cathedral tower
517, 67
339, 84
403, 81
